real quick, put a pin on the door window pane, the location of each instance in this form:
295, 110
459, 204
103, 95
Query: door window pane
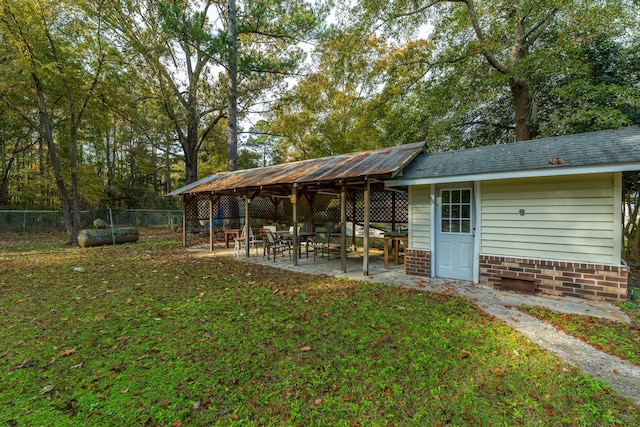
466, 212
455, 211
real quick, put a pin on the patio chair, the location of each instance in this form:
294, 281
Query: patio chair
321, 242
240, 242
302, 240
274, 245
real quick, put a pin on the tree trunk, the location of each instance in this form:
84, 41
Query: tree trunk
73, 164
190, 148
47, 134
4, 185
232, 137
521, 101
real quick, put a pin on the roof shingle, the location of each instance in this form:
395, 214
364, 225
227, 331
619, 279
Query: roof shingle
607, 147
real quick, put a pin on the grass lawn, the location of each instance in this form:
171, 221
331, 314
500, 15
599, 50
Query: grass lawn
147, 334
618, 339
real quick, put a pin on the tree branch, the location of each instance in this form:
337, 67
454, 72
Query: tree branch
493, 61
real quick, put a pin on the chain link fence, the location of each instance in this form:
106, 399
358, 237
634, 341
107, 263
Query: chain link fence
14, 221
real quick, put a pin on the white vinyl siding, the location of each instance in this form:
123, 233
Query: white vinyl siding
571, 218
420, 217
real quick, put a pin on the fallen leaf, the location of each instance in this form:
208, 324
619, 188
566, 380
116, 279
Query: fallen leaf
498, 372
21, 300
317, 401
464, 354
25, 363
67, 352
46, 389
176, 423
305, 348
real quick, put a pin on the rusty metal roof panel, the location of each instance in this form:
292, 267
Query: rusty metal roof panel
197, 183
379, 162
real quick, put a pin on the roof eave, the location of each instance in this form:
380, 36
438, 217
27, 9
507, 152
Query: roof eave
531, 173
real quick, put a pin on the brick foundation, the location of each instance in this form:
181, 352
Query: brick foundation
567, 279
417, 262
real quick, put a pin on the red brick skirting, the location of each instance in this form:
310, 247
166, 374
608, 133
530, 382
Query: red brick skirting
417, 262
589, 281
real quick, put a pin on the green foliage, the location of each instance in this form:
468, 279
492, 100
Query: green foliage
149, 334
353, 100
468, 100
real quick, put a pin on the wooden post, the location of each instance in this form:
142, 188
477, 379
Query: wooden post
294, 203
184, 221
343, 229
211, 216
354, 220
365, 234
247, 220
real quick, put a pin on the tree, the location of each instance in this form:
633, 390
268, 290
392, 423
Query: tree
56, 46
263, 48
506, 35
600, 88
174, 39
188, 46
354, 99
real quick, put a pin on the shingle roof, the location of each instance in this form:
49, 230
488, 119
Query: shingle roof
382, 163
540, 156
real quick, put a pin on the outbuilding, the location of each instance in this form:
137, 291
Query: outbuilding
542, 216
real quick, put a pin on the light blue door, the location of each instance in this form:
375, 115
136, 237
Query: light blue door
454, 233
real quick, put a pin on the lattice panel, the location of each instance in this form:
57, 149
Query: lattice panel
326, 208
304, 210
230, 207
198, 207
383, 206
262, 208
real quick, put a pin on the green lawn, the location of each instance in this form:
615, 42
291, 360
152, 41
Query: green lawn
147, 334
616, 338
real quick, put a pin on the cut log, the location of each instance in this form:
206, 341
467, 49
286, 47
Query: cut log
95, 237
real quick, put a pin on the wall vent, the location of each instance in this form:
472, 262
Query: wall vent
517, 285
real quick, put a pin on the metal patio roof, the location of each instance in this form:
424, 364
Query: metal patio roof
315, 173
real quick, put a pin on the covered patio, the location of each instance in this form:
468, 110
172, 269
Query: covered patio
342, 189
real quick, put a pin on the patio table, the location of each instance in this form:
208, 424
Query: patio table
395, 239
234, 233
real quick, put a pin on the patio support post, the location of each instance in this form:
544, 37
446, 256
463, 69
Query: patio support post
294, 203
365, 234
211, 204
247, 220
184, 221
343, 228
353, 222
